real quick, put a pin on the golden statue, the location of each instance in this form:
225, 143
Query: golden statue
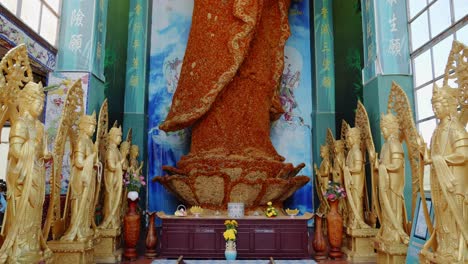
113, 176
135, 166
23, 241
338, 158
448, 157
322, 179
354, 175
391, 184
82, 183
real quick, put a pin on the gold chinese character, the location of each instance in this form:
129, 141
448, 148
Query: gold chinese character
137, 27
324, 12
325, 29
326, 64
138, 9
136, 43
326, 82
134, 81
135, 62
325, 47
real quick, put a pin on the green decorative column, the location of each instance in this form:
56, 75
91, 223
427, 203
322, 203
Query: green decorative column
386, 59
136, 76
82, 43
323, 92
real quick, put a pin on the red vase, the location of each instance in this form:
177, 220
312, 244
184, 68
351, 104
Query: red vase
319, 243
131, 230
335, 230
151, 238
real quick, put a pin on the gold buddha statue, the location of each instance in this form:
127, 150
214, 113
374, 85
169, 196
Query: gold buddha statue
23, 239
135, 166
124, 152
113, 180
354, 175
339, 161
82, 182
448, 157
391, 184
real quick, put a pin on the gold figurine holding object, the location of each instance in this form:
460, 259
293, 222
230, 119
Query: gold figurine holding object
448, 157
322, 179
113, 174
354, 175
82, 183
21, 231
391, 183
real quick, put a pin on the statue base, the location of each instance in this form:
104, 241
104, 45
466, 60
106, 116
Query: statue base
390, 253
72, 251
428, 257
108, 249
358, 247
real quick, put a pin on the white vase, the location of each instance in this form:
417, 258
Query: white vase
231, 252
236, 210
133, 195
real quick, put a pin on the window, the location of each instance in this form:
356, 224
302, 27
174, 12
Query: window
42, 16
433, 25
4, 151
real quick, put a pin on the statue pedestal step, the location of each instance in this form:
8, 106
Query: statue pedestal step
390, 253
358, 247
427, 257
108, 249
72, 251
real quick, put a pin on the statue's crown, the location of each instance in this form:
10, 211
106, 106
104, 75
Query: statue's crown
388, 118
34, 90
444, 93
89, 119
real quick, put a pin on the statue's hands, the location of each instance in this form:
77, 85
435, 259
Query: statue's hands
315, 168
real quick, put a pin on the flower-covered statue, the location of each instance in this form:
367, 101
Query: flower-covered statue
271, 210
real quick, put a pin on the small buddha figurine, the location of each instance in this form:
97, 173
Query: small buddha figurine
23, 241
323, 176
448, 157
354, 175
135, 166
391, 184
113, 175
82, 183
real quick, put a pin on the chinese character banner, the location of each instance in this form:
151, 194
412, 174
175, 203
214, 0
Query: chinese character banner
76, 36
324, 59
291, 135
136, 57
392, 33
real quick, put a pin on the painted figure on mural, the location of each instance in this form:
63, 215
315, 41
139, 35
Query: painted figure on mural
82, 183
23, 239
354, 176
448, 158
323, 177
391, 183
113, 175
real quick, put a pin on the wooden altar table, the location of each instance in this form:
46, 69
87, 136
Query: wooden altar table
280, 237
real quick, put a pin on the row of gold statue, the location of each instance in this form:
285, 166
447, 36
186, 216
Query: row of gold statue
447, 157
24, 238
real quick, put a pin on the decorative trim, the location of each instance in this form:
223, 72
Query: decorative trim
15, 32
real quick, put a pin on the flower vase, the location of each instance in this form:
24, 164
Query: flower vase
231, 252
151, 238
319, 243
131, 229
335, 230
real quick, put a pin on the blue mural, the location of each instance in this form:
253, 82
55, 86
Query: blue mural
291, 135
